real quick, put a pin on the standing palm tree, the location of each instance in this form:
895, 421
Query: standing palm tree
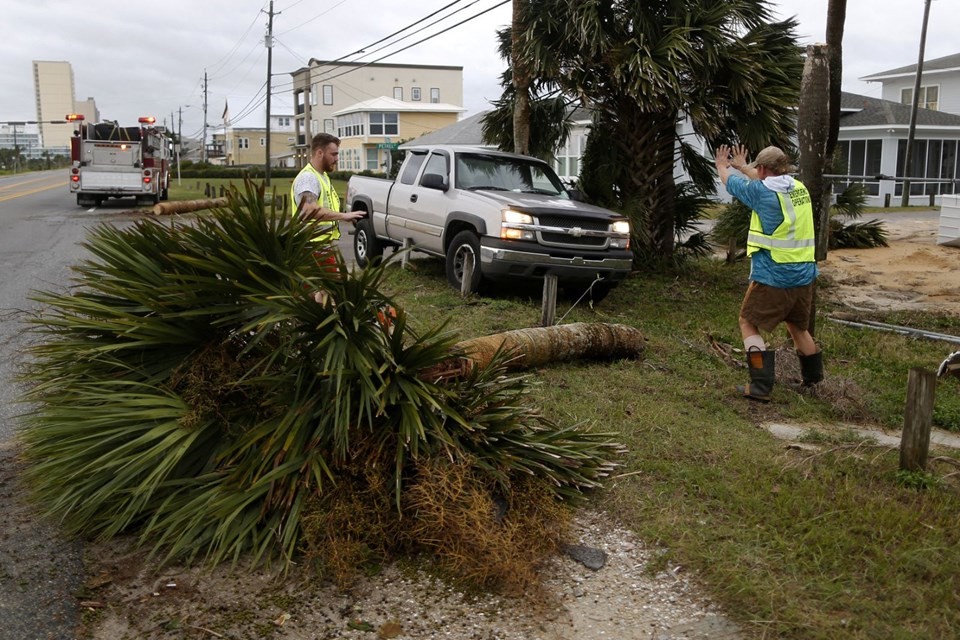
642, 67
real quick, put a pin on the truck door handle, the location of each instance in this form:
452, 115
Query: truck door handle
413, 198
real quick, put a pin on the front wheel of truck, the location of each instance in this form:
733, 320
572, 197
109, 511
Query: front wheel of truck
465, 245
366, 246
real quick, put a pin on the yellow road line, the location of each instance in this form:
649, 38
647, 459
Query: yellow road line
38, 190
20, 184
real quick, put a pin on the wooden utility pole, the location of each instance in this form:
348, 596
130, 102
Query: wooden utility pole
268, 41
908, 152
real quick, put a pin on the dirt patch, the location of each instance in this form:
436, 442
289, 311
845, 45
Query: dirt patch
913, 274
623, 599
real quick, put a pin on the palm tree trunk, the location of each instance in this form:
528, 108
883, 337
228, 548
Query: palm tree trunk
537, 346
185, 206
813, 119
836, 17
521, 82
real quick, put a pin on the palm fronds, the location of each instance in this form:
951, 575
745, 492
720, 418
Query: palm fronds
190, 390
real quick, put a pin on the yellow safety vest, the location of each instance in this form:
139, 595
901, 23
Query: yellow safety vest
329, 230
794, 240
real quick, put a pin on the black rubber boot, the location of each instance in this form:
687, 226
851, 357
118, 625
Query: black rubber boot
811, 368
761, 365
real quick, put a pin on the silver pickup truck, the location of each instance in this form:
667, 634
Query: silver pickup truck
510, 211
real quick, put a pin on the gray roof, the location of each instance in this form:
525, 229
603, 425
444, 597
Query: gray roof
864, 111
468, 131
939, 64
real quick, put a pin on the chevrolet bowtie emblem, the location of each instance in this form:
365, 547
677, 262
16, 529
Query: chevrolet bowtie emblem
576, 232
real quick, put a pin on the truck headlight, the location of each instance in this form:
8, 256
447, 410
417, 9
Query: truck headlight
513, 226
515, 217
621, 226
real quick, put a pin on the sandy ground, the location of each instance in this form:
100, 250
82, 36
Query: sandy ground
913, 273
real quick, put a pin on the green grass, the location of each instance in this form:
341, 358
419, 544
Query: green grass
793, 544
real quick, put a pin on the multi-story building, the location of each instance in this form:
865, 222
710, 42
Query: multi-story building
88, 109
248, 145
53, 84
324, 88
21, 136
371, 129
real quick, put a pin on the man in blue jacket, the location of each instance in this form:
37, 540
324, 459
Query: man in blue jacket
783, 269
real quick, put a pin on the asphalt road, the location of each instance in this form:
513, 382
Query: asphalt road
40, 230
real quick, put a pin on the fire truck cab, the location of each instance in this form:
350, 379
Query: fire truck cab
110, 161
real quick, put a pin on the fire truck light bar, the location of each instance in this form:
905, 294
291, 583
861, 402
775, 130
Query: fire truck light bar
147, 119
73, 117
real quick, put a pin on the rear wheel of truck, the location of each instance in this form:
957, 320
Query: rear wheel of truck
366, 246
465, 243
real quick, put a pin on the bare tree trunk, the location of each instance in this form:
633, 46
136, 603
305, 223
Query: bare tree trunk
521, 82
813, 120
185, 206
836, 18
537, 346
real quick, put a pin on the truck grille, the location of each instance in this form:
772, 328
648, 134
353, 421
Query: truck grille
570, 222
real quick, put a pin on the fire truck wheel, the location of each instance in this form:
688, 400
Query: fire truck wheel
164, 194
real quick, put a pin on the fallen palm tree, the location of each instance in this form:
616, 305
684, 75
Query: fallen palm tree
189, 391
186, 206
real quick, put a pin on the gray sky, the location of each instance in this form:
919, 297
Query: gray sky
149, 59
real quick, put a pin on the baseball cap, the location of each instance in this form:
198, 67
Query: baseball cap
774, 159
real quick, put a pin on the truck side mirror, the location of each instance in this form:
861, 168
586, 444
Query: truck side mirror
575, 194
434, 181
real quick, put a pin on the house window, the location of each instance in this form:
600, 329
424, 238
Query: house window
435, 95
314, 130
398, 93
415, 94
372, 163
860, 158
384, 123
313, 94
929, 97
243, 143
328, 94
932, 160
350, 125
329, 125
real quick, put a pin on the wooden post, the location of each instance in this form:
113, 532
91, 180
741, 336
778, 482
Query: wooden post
467, 278
731, 250
406, 254
918, 418
548, 312
886, 201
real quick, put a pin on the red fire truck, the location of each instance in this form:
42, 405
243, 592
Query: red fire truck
110, 161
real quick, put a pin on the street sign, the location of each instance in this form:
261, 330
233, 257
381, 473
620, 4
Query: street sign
388, 145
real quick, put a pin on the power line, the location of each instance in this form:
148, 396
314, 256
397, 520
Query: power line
305, 23
223, 61
412, 33
412, 24
430, 37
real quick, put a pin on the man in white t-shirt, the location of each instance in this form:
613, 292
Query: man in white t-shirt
314, 198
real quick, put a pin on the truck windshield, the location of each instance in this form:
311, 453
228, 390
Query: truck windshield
477, 171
